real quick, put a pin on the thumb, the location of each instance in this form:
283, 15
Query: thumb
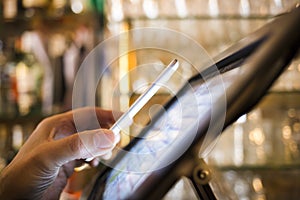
82, 145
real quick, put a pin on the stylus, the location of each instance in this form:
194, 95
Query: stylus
127, 118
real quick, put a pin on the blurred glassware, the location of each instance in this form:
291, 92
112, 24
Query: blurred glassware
8, 99
263, 139
258, 156
10, 9
29, 76
153, 9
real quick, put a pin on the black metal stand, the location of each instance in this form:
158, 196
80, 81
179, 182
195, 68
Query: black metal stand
200, 179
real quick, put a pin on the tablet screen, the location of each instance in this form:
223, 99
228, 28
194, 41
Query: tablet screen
163, 137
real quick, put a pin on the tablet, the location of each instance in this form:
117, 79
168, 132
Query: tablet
168, 147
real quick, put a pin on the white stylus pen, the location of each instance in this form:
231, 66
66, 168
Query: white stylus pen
127, 118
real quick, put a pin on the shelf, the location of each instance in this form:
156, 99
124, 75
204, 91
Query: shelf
40, 21
267, 167
280, 100
17, 119
268, 182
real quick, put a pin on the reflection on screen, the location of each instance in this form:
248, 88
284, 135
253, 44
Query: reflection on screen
153, 150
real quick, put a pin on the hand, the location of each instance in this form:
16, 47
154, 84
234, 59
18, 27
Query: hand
42, 166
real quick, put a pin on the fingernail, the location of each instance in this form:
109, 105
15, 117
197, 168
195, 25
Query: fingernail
95, 162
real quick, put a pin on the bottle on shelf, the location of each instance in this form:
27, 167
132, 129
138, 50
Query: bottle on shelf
21, 78
29, 76
8, 104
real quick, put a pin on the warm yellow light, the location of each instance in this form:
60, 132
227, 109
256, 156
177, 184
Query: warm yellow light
58, 3
292, 112
293, 147
10, 9
32, 3
296, 127
23, 80
257, 136
286, 132
57, 45
257, 185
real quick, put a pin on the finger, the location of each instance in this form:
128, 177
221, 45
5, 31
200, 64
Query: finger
86, 118
82, 145
63, 125
85, 115
95, 162
107, 156
94, 118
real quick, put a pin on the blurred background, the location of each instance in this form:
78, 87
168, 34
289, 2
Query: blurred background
44, 42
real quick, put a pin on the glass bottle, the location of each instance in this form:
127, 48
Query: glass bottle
7, 81
29, 76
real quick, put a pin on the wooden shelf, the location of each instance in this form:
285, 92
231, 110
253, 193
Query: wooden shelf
64, 23
17, 119
281, 100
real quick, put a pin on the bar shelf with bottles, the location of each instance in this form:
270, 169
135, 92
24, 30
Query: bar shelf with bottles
51, 16
42, 44
51, 39
214, 24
